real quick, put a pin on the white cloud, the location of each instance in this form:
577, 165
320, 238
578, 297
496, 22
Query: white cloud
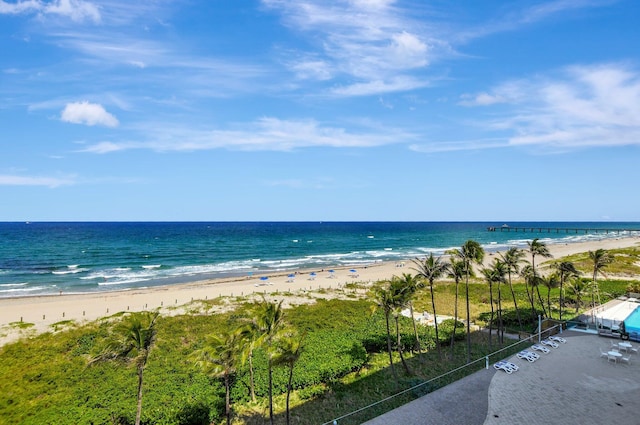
265, 134
585, 106
76, 10
88, 114
372, 42
13, 180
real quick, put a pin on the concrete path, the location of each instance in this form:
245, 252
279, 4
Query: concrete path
570, 385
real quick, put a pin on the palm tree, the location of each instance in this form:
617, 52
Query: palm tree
499, 272
270, 320
566, 269
494, 274
131, 341
250, 333
431, 269
551, 281
219, 358
470, 253
533, 280
579, 289
290, 348
383, 298
601, 259
399, 300
411, 284
456, 272
537, 248
511, 259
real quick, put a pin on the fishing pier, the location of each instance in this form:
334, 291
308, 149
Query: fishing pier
542, 229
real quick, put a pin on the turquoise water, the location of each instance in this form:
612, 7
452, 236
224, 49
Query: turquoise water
632, 323
44, 258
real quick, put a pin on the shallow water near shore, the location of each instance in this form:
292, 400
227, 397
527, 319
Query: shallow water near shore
46, 258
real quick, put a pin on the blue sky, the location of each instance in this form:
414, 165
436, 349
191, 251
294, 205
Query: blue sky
319, 110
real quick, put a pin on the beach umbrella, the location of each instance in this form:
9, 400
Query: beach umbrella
290, 276
312, 275
264, 278
331, 273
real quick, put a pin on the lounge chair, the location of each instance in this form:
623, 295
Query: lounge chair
557, 339
550, 343
506, 366
528, 356
541, 348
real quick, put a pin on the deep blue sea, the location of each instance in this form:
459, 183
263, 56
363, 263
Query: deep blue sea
45, 258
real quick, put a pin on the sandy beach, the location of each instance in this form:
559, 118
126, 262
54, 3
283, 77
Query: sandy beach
43, 311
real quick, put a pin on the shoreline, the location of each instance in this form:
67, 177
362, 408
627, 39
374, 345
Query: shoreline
46, 310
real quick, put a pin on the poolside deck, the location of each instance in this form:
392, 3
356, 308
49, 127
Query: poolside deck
570, 385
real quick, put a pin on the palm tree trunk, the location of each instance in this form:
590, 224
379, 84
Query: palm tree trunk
455, 318
544, 311
227, 400
393, 369
515, 303
468, 322
500, 326
435, 318
270, 393
139, 409
289, 391
251, 381
399, 343
415, 328
491, 319
561, 295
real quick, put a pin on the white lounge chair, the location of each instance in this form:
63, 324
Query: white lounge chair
550, 343
529, 356
540, 348
556, 338
506, 366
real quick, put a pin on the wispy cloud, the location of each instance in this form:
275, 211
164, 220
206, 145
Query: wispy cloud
584, 106
88, 114
265, 134
374, 42
76, 10
16, 180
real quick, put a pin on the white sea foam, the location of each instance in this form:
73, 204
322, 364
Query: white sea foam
152, 266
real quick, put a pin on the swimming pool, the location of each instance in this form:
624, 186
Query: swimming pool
632, 324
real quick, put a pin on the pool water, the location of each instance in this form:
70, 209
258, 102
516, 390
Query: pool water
632, 324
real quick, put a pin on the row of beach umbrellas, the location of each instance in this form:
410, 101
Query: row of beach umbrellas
312, 275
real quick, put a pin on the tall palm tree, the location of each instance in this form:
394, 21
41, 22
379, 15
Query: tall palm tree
431, 269
579, 289
250, 333
538, 248
551, 281
566, 269
534, 281
290, 348
383, 298
131, 341
499, 273
494, 275
219, 358
601, 259
456, 272
410, 285
511, 259
400, 298
470, 253
270, 320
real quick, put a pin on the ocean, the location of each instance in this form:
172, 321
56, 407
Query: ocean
45, 258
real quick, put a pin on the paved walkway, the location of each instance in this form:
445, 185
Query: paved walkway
570, 385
